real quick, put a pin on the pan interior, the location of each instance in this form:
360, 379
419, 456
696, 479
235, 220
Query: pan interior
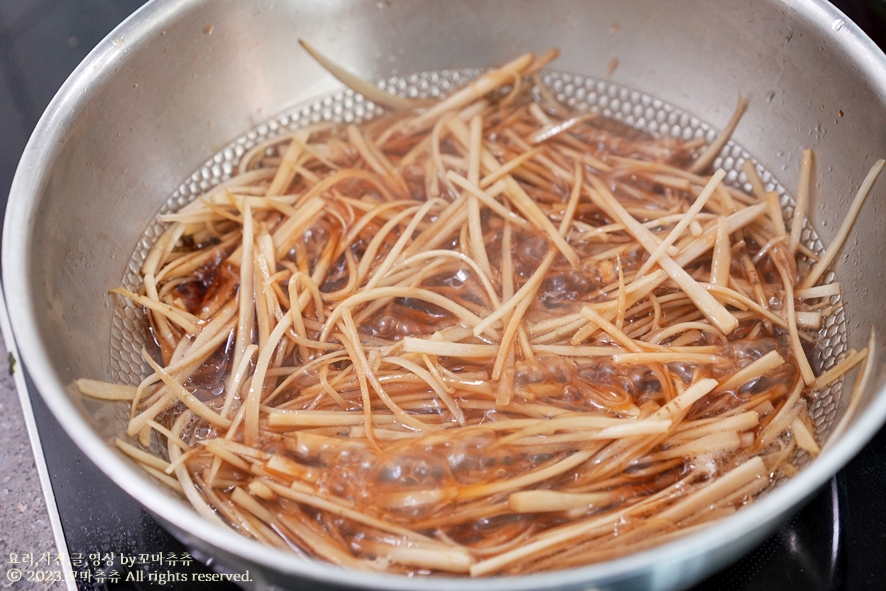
633, 107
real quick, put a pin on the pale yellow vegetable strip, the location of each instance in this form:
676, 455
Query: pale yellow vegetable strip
777, 219
784, 416
321, 546
189, 263
576, 351
542, 158
435, 371
244, 295
141, 456
286, 171
443, 558
525, 292
552, 129
476, 89
184, 319
707, 304
418, 498
665, 333
181, 460
550, 539
463, 314
161, 249
283, 465
166, 433
221, 452
160, 321
249, 522
358, 432
311, 291
327, 503
238, 376
509, 167
805, 440
739, 300
572, 203
242, 498
542, 545
242, 450
790, 305
524, 298
721, 260
265, 247
541, 61
756, 182
260, 276
604, 426
632, 429
800, 200
428, 145
544, 501
836, 372
831, 252
665, 357
137, 422
685, 400
191, 401
441, 229
691, 430
374, 211
389, 260
164, 478
570, 324
529, 208
370, 91
475, 228
687, 218
105, 390
623, 339
181, 473
719, 441
242, 519
808, 320
483, 196
430, 254
736, 478
753, 370
307, 418
379, 238
295, 313
703, 243
306, 214
361, 364
710, 154
433, 383
544, 326
376, 160
622, 298
493, 488
819, 291
256, 385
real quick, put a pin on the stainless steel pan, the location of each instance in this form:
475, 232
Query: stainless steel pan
181, 79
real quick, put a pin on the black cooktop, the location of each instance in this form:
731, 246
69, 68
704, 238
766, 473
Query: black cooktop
836, 542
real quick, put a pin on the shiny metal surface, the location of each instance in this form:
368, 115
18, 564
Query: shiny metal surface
180, 79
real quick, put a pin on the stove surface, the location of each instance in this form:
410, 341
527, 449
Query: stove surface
836, 542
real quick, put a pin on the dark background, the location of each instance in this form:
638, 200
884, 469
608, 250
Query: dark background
837, 542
